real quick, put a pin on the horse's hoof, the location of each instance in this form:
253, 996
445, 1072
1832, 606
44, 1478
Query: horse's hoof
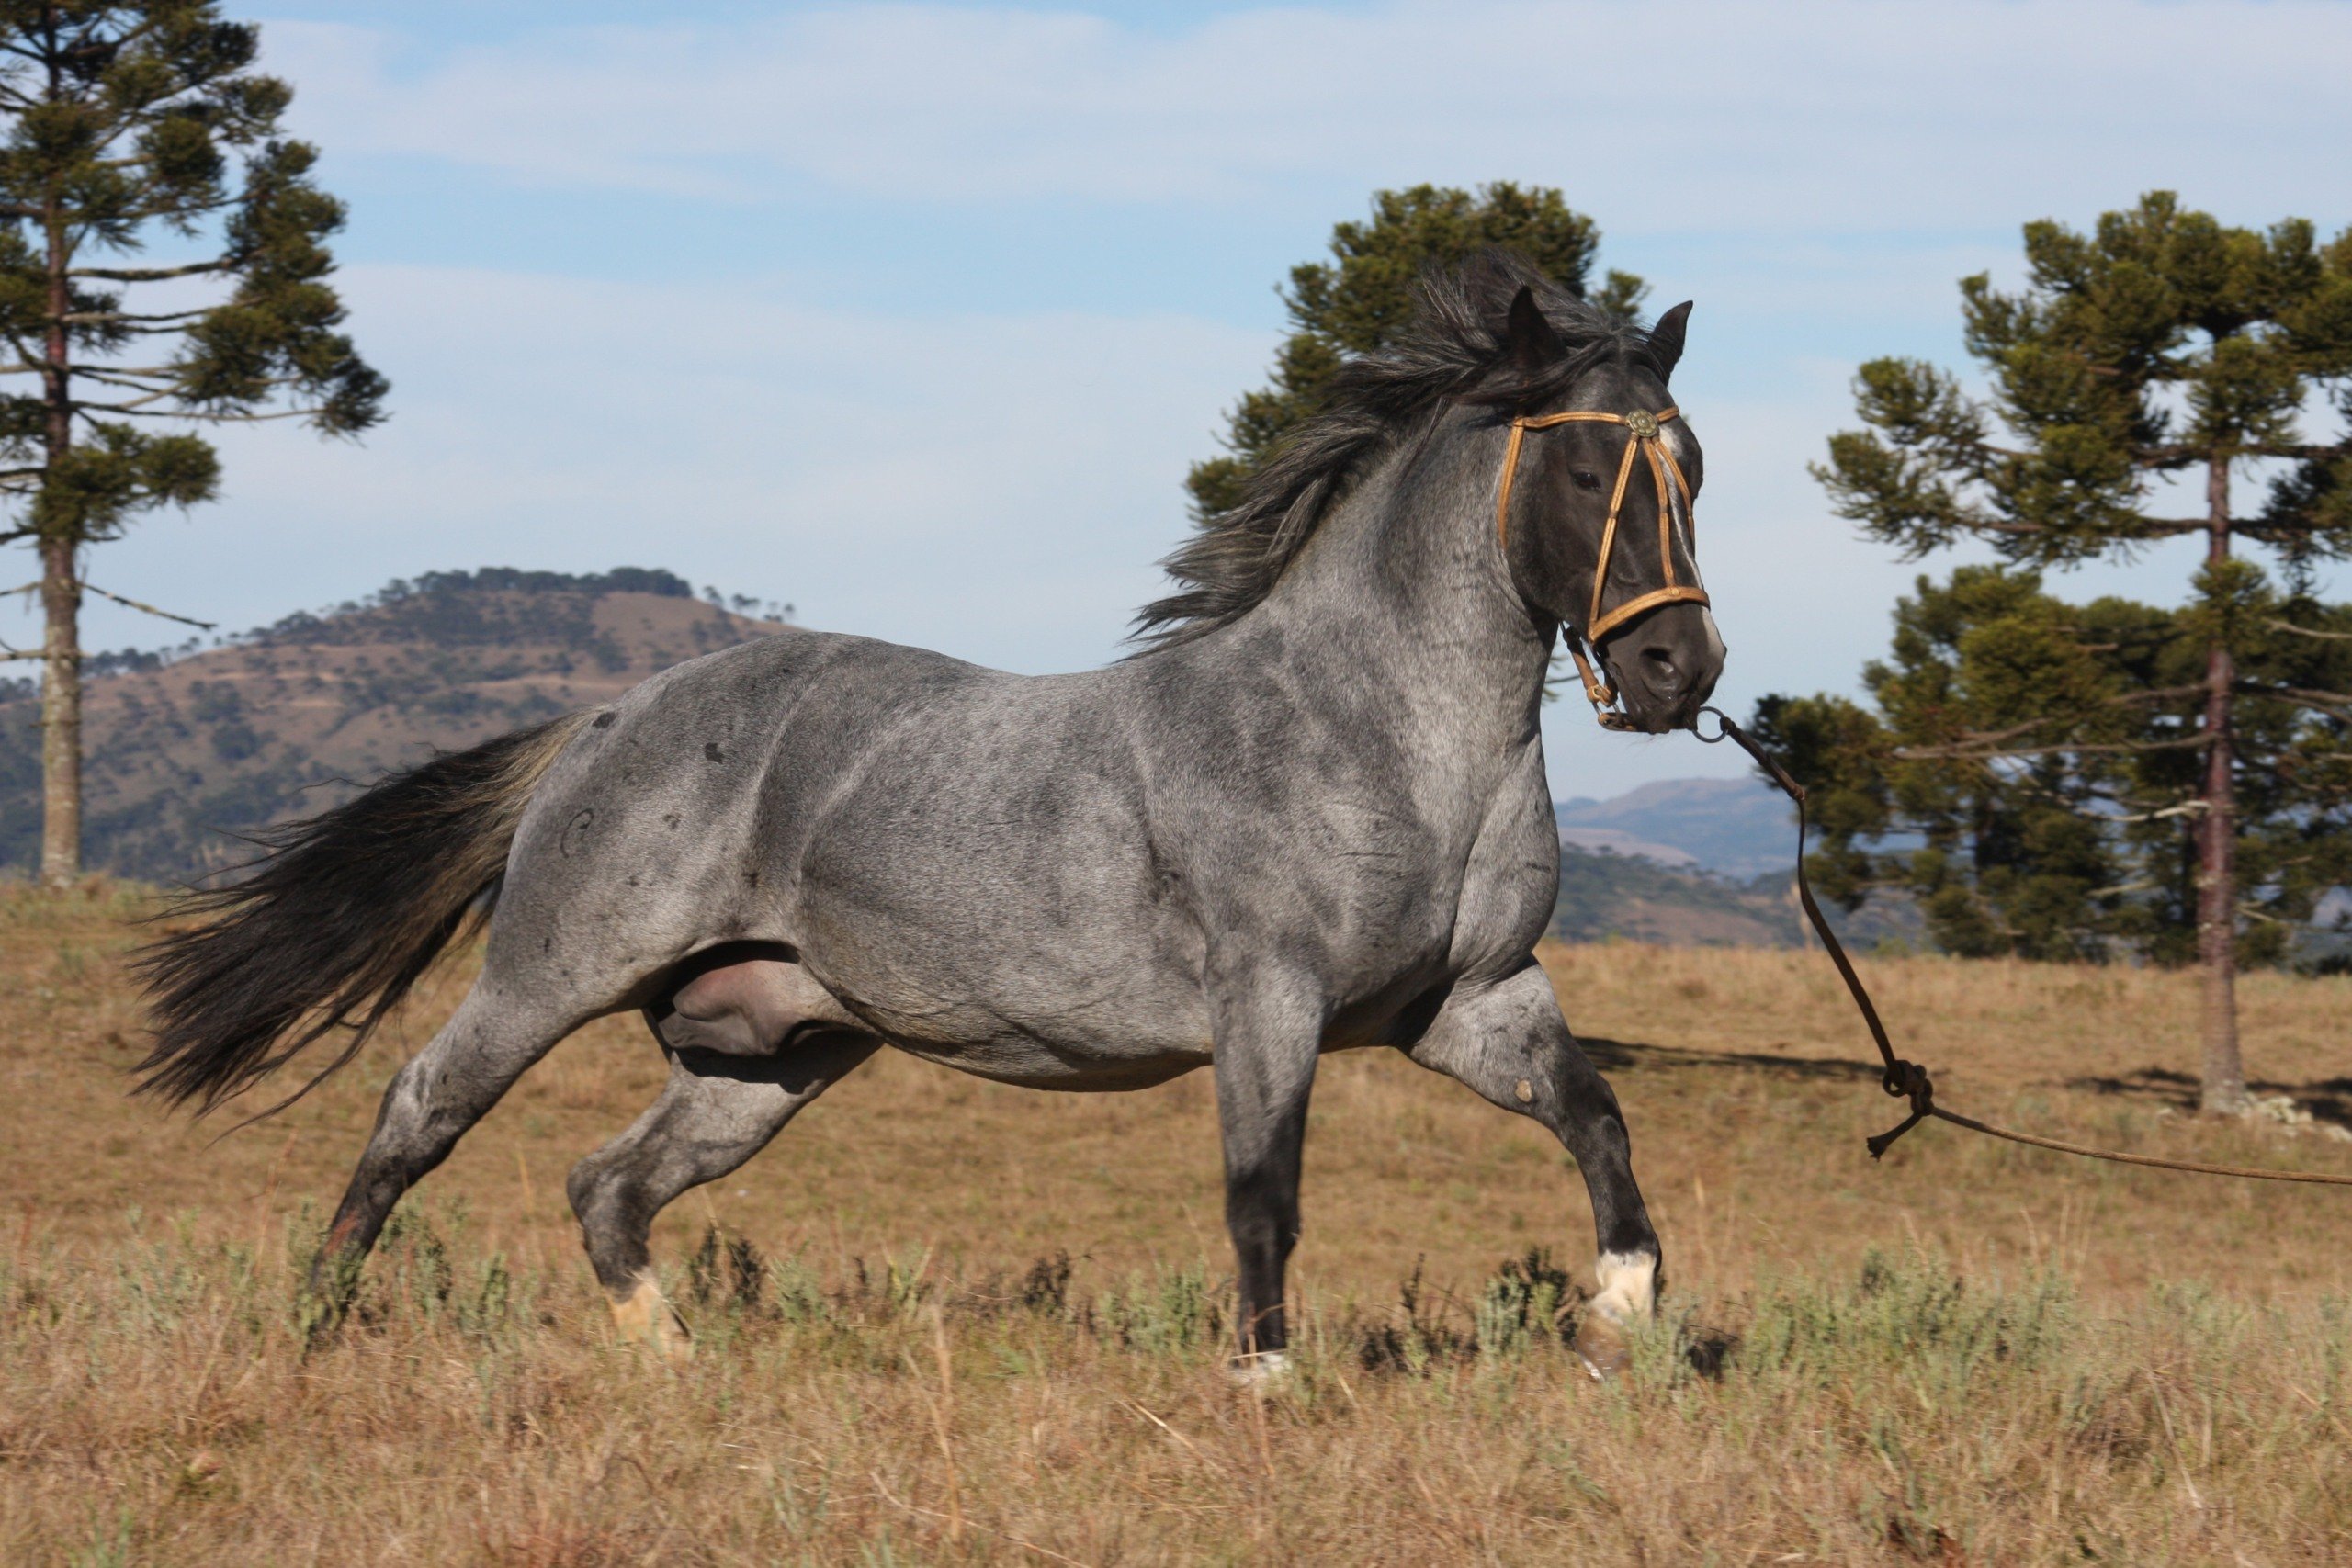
1603, 1348
644, 1318
1261, 1371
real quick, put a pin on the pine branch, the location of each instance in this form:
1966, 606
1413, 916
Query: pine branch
148, 273
2154, 694
2164, 456
149, 609
2308, 631
1970, 745
2140, 527
150, 211
136, 379
136, 409
100, 372
1964, 752
2334, 701
98, 318
2186, 809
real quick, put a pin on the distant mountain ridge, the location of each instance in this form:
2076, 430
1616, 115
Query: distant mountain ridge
1696, 862
189, 748
185, 750
1737, 828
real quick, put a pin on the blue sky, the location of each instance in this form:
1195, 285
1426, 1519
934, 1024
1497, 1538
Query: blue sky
913, 315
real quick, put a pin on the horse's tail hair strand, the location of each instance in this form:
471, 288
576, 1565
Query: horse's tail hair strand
338, 918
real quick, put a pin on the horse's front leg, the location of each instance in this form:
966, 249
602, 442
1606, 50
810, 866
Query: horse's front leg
1509, 1042
1267, 1031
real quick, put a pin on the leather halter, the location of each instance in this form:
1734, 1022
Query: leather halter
1648, 440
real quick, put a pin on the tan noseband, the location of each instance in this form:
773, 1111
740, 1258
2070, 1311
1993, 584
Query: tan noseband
1649, 442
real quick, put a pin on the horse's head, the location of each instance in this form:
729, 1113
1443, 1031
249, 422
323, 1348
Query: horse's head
1595, 518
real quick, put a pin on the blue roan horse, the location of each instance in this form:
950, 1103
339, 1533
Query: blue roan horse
1310, 815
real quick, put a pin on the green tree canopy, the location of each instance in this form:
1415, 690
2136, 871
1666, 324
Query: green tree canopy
127, 124
2036, 765
2040, 745
1354, 302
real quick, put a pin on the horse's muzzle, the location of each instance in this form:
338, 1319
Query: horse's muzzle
1665, 666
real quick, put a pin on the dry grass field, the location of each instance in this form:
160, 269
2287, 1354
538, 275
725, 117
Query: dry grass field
941, 1322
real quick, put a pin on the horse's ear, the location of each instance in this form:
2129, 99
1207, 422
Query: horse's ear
1532, 342
1666, 340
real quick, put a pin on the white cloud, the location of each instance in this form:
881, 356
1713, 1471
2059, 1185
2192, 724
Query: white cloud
995, 486
1834, 114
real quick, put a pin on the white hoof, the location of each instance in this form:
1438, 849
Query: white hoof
1628, 1294
1263, 1370
1603, 1348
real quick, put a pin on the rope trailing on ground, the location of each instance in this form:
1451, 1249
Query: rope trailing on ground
1908, 1080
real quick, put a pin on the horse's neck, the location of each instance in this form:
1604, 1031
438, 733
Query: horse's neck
1403, 590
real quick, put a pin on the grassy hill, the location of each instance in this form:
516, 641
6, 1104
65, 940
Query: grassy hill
184, 750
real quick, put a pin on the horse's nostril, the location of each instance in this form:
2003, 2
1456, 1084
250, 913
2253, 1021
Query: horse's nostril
1657, 663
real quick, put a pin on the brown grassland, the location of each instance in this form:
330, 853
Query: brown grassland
945, 1322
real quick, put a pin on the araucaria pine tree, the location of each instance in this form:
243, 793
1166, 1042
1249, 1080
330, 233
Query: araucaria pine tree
1353, 303
2146, 375
129, 124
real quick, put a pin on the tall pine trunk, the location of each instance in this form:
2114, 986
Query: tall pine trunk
60, 716
2217, 872
61, 600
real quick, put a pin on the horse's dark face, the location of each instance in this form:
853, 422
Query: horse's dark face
1663, 660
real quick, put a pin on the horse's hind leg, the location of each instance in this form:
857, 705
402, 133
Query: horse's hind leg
717, 1111
1510, 1044
488, 1043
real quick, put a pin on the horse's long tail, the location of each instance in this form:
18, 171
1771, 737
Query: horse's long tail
340, 917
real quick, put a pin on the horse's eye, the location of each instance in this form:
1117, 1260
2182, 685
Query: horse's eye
1587, 480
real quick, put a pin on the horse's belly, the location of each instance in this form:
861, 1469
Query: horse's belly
1087, 1032
754, 1003
1033, 1063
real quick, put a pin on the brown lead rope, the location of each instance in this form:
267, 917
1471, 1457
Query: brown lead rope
1908, 1080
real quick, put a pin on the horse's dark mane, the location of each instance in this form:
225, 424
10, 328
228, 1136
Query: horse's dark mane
1456, 348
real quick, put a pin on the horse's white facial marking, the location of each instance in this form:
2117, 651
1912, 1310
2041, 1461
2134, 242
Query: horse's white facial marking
645, 1318
1715, 650
1628, 1286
